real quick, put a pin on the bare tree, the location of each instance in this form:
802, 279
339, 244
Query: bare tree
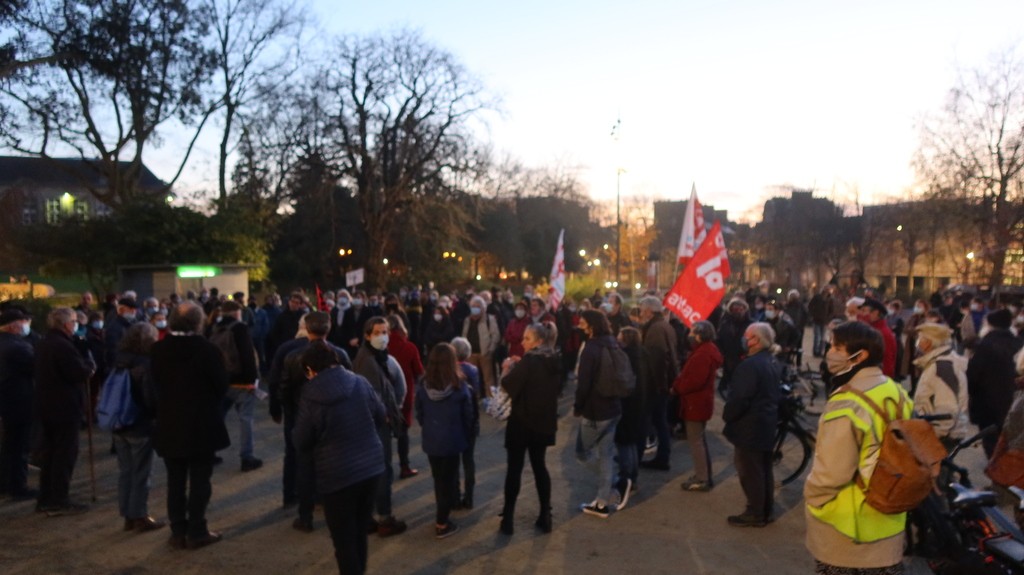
256, 42
401, 110
974, 150
136, 67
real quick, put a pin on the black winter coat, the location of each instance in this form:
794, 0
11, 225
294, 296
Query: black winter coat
533, 386
190, 383
751, 413
590, 404
61, 373
16, 366
990, 378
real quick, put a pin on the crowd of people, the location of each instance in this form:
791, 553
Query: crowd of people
345, 377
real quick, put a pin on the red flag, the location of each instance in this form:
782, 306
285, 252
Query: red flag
320, 305
701, 285
693, 232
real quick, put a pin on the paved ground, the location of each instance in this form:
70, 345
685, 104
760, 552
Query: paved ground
663, 530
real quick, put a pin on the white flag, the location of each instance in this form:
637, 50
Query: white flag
558, 274
693, 232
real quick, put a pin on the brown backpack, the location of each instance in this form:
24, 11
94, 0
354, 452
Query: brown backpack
909, 460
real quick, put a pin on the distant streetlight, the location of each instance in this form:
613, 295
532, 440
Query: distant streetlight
608, 285
445, 255
385, 261
597, 262
606, 246
899, 228
477, 277
583, 253
637, 286
970, 255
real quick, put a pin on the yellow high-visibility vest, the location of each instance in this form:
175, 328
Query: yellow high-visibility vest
847, 512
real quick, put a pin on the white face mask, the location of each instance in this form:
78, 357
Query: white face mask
770, 314
357, 302
26, 328
838, 364
520, 313
161, 324
438, 317
379, 342
475, 310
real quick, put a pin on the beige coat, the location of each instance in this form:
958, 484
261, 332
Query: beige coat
836, 461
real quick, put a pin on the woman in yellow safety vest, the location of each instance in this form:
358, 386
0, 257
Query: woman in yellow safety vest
844, 534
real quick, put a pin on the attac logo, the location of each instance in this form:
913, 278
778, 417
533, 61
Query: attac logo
701, 285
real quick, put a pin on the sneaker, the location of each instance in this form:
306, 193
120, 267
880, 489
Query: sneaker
624, 491
694, 484
68, 508
747, 520
251, 464
146, 524
391, 526
408, 472
449, 529
595, 509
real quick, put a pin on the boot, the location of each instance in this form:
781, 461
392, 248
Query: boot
544, 520
507, 515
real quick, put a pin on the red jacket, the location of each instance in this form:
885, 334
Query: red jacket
514, 336
889, 349
695, 384
407, 356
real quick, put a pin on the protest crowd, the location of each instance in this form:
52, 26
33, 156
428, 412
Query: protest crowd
349, 375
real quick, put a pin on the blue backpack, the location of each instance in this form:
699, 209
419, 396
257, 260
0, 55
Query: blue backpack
116, 409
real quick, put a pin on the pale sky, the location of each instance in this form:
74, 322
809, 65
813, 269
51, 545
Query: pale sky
735, 95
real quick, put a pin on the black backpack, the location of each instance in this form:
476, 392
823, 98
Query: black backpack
224, 338
615, 377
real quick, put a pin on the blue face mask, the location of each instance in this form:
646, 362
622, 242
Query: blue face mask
475, 310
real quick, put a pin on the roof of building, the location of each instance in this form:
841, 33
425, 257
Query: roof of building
55, 172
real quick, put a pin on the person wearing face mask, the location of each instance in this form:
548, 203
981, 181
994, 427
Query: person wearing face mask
16, 369
730, 340
116, 326
942, 387
695, 387
353, 323
787, 336
533, 384
516, 328
373, 362
751, 416
393, 306
232, 337
990, 376
481, 329
286, 324
845, 534
408, 357
918, 317
970, 326
59, 400
617, 316
437, 329
595, 445
159, 321
873, 313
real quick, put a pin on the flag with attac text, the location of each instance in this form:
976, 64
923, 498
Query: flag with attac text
701, 285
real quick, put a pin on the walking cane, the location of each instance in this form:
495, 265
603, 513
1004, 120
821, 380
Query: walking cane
88, 420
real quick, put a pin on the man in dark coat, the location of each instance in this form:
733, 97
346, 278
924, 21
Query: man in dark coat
990, 376
659, 339
191, 381
234, 340
286, 324
61, 373
730, 339
751, 416
127, 308
16, 366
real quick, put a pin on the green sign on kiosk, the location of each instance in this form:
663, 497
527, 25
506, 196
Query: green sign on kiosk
198, 271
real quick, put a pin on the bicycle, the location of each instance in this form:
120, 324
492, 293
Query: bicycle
962, 527
794, 442
805, 381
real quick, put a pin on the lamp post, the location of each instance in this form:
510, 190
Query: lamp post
970, 260
616, 128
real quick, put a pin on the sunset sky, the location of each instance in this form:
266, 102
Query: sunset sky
737, 96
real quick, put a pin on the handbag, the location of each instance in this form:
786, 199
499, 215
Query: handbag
1007, 465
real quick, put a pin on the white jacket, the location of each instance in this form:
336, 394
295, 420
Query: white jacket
943, 389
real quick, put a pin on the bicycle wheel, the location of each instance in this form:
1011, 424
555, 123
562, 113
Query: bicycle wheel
792, 454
